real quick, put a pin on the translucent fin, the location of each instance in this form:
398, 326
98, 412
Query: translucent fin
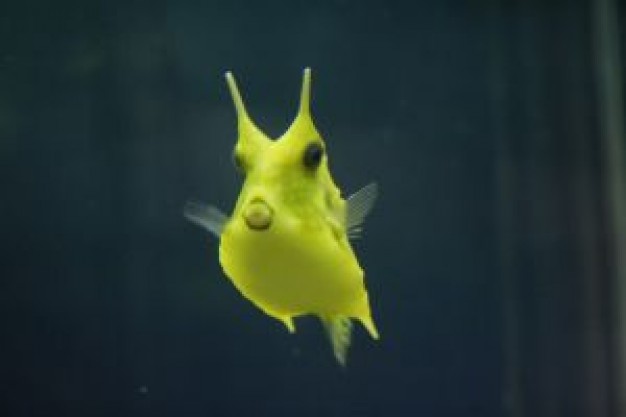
359, 205
339, 331
205, 216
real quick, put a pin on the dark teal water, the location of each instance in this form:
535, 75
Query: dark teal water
487, 256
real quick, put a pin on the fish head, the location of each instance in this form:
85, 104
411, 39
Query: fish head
285, 179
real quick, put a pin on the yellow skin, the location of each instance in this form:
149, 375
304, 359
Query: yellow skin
285, 247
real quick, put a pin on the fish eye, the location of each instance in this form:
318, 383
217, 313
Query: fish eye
313, 155
238, 162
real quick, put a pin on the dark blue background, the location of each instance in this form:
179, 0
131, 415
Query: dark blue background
113, 114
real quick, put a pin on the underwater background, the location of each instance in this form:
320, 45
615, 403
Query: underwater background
494, 258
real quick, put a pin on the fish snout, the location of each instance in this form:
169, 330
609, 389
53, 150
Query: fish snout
258, 215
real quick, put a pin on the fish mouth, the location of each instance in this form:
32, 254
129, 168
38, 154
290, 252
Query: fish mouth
258, 215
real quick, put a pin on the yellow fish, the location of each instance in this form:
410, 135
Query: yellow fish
286, 246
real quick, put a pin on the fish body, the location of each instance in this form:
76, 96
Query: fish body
286, 245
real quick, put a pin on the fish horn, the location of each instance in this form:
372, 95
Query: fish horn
247, 129
303, 122
305, 95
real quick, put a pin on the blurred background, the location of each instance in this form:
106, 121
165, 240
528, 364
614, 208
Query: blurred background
494, 257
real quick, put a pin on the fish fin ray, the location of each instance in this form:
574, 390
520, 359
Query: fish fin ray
339, 332
359, 205
206, 216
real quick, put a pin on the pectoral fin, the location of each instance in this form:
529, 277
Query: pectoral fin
208, 217
359, 205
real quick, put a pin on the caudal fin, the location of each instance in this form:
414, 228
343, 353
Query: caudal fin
339, 331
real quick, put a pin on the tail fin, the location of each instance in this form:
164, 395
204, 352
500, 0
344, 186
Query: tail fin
339, 331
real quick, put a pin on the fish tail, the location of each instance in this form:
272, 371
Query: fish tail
339, 331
